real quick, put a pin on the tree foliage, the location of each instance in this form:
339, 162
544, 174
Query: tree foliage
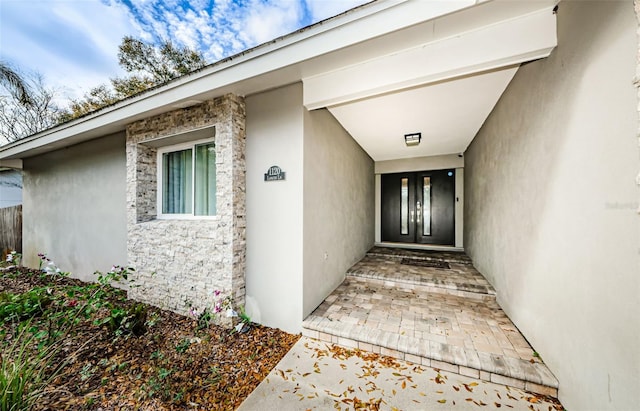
160, 64
20, 118
147, 65
28, 106
14, 83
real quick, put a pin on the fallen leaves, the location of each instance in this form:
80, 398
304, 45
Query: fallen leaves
215, 370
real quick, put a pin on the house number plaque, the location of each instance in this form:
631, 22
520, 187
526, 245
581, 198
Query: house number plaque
274, 173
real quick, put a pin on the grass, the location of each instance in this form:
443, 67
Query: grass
26, 371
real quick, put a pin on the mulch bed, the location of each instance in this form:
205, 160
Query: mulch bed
172, 366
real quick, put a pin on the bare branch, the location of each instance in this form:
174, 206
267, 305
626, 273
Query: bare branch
18, 120
13, 82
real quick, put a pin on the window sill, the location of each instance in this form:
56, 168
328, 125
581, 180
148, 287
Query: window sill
187, 217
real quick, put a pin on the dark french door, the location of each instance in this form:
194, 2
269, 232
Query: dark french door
419, 207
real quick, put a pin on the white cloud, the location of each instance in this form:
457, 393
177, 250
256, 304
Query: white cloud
74, 43
268, 20
323, 9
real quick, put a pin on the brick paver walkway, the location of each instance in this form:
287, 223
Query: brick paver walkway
444, 318
386, 264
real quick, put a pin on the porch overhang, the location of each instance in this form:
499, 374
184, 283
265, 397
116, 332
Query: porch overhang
444, 88
454, 55
392, 44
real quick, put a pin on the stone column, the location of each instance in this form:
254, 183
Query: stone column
180, 263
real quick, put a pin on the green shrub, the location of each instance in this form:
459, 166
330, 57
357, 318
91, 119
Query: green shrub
127, 320
18, 307
25, 372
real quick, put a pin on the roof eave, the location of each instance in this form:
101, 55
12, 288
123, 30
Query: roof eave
280, 55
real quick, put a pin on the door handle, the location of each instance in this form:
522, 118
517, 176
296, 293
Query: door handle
411, 214
418, 211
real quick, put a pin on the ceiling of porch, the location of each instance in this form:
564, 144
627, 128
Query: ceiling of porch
443, 87
447, 114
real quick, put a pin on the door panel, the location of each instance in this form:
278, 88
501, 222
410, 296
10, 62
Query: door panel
394, 209
419, 207
440, 207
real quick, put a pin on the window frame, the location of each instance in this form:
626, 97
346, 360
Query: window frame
159, 173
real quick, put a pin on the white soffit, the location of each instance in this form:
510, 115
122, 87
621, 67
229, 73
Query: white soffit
502, 44
448, 114
274, 64
444, 89
384, 33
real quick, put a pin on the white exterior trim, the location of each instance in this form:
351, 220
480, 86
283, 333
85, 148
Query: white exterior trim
169, 149
342, 41
523, 39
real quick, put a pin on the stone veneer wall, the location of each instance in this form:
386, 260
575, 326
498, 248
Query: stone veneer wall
180, 262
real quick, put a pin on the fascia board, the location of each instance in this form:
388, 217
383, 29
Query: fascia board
523, 39
10, 164
372, 20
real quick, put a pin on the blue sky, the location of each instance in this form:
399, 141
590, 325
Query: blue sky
74, 43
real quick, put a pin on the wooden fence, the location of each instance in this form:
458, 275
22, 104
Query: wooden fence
10, 229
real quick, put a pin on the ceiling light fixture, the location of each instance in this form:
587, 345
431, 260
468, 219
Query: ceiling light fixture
412, 139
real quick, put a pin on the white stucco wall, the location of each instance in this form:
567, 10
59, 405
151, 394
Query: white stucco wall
338, 205
274, 209
74, 207
551, 201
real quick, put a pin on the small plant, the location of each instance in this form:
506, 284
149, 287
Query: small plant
18, 307
204, 320
214, 376
49, 268
222, 304
159, 384
243, 316
157, 355
177, 397
14, 258
124, 321
87, 372
183, 345
163, 373
245, 322
152, 319
25, 372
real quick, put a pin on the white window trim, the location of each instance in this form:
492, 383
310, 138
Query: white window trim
179, 147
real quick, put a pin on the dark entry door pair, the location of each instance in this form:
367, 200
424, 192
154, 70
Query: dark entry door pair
419, 207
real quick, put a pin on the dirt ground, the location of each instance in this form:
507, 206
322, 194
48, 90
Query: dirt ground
173, 365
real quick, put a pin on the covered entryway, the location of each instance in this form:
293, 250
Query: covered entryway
438, 83
419, 207
431, 308
414, 110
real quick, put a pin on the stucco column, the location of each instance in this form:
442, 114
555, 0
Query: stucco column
636, 4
